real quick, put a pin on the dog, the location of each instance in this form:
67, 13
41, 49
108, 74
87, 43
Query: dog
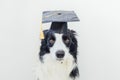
58, 56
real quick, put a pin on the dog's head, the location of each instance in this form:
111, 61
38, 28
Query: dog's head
58, 46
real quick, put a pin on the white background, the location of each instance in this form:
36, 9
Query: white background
98, 36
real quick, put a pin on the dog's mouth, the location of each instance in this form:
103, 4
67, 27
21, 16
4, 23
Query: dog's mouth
60, 59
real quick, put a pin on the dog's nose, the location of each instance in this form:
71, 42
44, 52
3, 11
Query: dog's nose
60, 54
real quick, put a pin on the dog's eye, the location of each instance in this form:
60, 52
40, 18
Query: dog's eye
52, 41
66, 39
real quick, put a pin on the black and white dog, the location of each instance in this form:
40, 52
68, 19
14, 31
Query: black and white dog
58, 56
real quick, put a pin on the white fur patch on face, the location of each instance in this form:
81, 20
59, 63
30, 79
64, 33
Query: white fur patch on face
58, 45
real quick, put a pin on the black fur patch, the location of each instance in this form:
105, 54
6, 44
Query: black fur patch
73, 45
74, 73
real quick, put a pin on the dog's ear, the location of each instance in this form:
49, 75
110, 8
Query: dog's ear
73, 37
74, 45
44, 48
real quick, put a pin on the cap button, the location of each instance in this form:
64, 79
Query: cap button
59, 13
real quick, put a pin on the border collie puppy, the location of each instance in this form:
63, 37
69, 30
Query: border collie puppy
58, 56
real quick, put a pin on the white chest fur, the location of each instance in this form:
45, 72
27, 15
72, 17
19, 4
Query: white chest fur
55, 70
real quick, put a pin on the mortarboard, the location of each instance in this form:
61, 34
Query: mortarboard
59, 19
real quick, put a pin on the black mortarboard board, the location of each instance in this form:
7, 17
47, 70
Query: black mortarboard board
59, 19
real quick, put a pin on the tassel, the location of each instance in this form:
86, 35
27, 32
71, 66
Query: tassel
41, 31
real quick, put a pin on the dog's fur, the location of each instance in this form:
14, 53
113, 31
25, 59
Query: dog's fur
51, 68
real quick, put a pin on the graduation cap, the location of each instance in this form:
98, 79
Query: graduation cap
59, 20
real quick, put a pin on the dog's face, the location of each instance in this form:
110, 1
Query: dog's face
58, 47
